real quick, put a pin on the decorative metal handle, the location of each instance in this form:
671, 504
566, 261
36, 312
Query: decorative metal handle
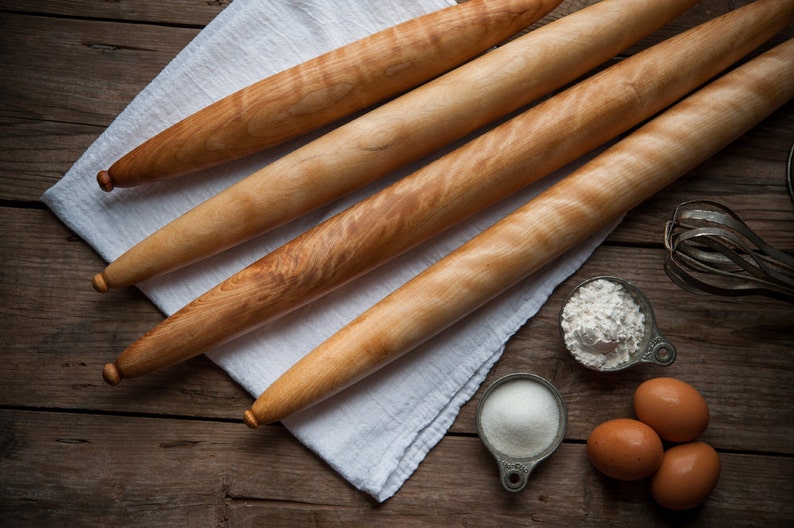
659, 350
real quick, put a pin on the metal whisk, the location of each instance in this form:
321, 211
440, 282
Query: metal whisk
711, 250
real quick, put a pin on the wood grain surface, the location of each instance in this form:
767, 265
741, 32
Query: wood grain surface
170, 449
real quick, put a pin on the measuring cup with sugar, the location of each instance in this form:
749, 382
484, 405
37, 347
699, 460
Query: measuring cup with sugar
521, 419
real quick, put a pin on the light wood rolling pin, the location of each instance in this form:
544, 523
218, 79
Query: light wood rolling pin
324, 89
397, 133
535, 234
454, 187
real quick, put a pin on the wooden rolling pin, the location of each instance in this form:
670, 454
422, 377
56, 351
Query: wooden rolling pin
394, 134
319, 91
456, 186
537, 233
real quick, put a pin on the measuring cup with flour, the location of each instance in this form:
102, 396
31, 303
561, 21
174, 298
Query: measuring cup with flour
521, 419
607, 324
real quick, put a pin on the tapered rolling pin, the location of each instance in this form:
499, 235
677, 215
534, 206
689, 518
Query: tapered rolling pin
536, 233
395, 134
319, 91
454, 187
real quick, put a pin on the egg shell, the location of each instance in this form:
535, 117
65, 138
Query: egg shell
673, 408
625, 449
687, 476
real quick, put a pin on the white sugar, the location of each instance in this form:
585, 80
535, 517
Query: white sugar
520, 418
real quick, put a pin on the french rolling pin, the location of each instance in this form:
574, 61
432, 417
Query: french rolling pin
319, 91
566, 214
399, 132
474, 176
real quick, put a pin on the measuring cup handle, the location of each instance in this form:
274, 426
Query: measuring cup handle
514, 475
659, 350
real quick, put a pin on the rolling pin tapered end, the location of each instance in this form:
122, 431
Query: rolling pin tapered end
105, 181
111, 374
250, 420
99, 283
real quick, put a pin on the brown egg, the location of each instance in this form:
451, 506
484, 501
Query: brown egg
687, 476
625, 449
673, 408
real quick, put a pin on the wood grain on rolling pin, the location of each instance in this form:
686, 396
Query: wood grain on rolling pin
394, 134
537, 233
456, 186
319, 91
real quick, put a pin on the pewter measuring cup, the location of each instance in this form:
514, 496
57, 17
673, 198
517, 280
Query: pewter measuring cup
514, 471
652, 348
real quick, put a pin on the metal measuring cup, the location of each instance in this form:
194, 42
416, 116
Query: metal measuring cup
652, 348
514, 471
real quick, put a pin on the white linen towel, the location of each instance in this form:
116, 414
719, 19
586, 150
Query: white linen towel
376, 433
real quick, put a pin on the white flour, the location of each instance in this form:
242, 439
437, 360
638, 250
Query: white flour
602, 324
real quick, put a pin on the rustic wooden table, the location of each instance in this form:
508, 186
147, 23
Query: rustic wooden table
171, 449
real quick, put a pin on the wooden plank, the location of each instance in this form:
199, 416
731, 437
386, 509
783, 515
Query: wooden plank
35, 154
60, 333
161, 472
457, 486
176, 12
85, 72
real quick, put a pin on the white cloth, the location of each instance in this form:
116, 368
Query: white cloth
376, 433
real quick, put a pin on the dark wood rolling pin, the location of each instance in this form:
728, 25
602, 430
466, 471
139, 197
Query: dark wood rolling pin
456, 186
399, 132
324, 89
535, 234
